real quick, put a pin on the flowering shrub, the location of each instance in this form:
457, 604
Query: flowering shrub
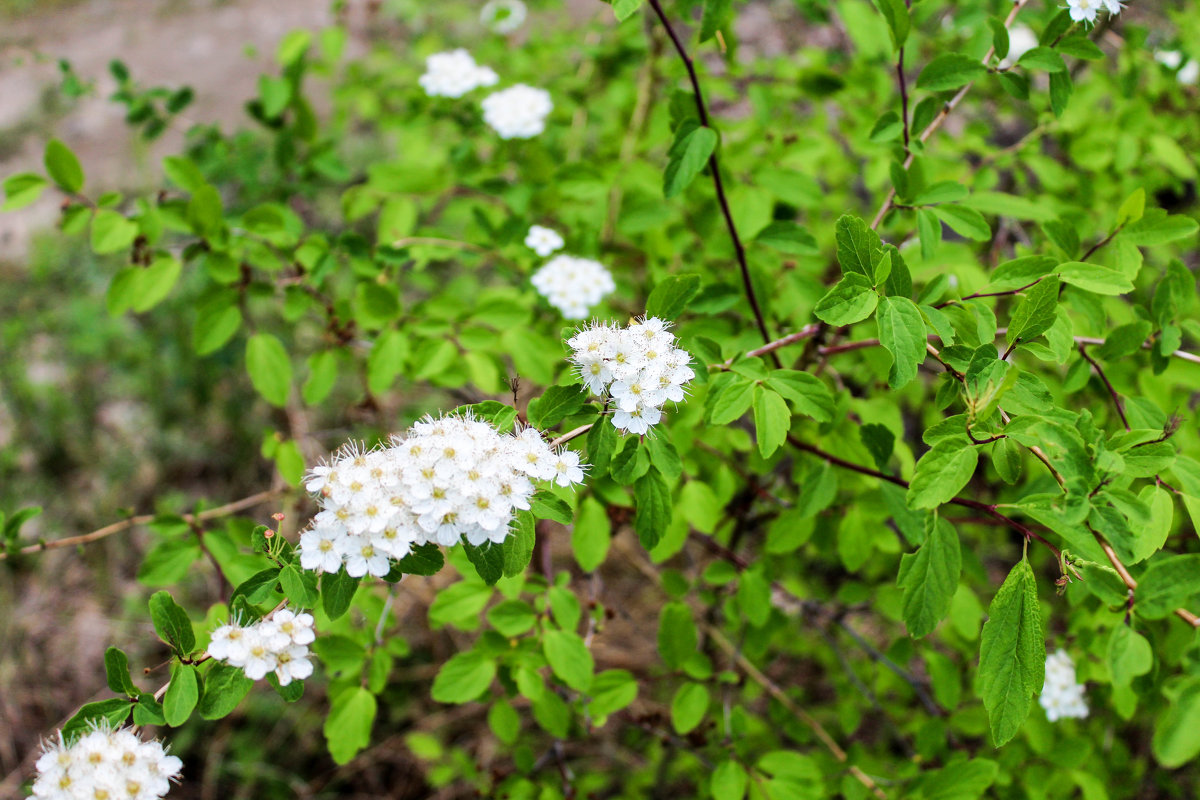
878, 387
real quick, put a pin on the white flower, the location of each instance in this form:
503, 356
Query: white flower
572, 284
292, 664
453, 74
278, 644
1190, 73
104, 763
1084, 10
1021, 39
503, 16
543, 241
518, 112
1172, 59
1113, 7
1062, 697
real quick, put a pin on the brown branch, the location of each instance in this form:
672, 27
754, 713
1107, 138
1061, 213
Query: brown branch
1116, 398
807, 332
569, 435
126, 524
715, 168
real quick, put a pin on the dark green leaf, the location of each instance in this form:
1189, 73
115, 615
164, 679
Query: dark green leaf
224, 687
950, 71
671, 296
1012, 653
929, 577
652, 498
172, 623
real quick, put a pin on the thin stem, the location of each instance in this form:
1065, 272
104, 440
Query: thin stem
715, 168
989, 294
569, 435
937, 121
807, 332
903, 99
1116, 398
1091, 251
142, 519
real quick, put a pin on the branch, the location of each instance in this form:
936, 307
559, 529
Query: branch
1131, 584
1116, 398
569, 435
715, 169
126, 524
937, 121
807, 332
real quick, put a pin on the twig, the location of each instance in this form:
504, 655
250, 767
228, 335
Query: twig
807, 332
142, 519
937, 121
1116, 398
569, 435
715, 168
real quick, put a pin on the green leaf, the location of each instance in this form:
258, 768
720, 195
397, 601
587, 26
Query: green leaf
652, 499
116, 670
299, 586
852, 300
611, 691
902, 333
464, 677
115, 711
888, 127
1035, 313
729, 781
488, 560
787, 237
512, 617
1043, 58
224, 687
1095, 278
715, 16
337, 592
112, 232
22, 189
728, 404
941, 473
182, 695
517, 548
1129, 655
1168, 584
677, 638
879, 441
322, 375
929, 577
216, 323
347, 729
671, 296
601, 444
772, 420
895, 12
172, 623
555, 404
591, 535
569, 658
1175, 735
624, 9
808, 394
941, 192
63, 167
693, 146
1012, 653
964, 221
1133, 209
1157, 228
270, 368
1061, 88
688, 707
859, 249
950, 71
205, 211
959, 781
546, 505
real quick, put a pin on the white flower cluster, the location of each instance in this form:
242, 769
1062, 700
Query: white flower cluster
638, 366
445, 479
518, 112
1188, 74
503, 16
104, 763
279, 645
1062, 697
1086, 10
572, 284
453, 74
543, 241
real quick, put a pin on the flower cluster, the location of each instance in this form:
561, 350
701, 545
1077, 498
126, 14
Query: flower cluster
543, 241
572, 284
503, 16
1061, 696
279, 645
446, 479
518, 112
638, 366
1086, 10
453, 74
114, 764
1187, 72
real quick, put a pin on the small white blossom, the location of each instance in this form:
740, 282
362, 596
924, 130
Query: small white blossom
503, 16
1021, 39
1172, 59
543, 241
518, 112
453, 74
572, 284
1084, 10
1062, 697
278, 645
1113, 7
639, 368
104, 763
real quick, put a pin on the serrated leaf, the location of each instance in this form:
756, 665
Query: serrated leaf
652, 500
902, 333
1095, 278
787, 237
555, 404
337, 592
1012, 653
949, 71
859, 249
671, 296
488, 560
689, 155
224, 687
929, 577
1167, 584
772, 420
941, 473
851, 300
964, 221
806, 392
1035, 313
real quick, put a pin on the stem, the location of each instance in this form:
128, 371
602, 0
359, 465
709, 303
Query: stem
126, 524
1116, 398
937, 121
1101, 243
569, 435
715, 169
989, 294
807, 332
903, 100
